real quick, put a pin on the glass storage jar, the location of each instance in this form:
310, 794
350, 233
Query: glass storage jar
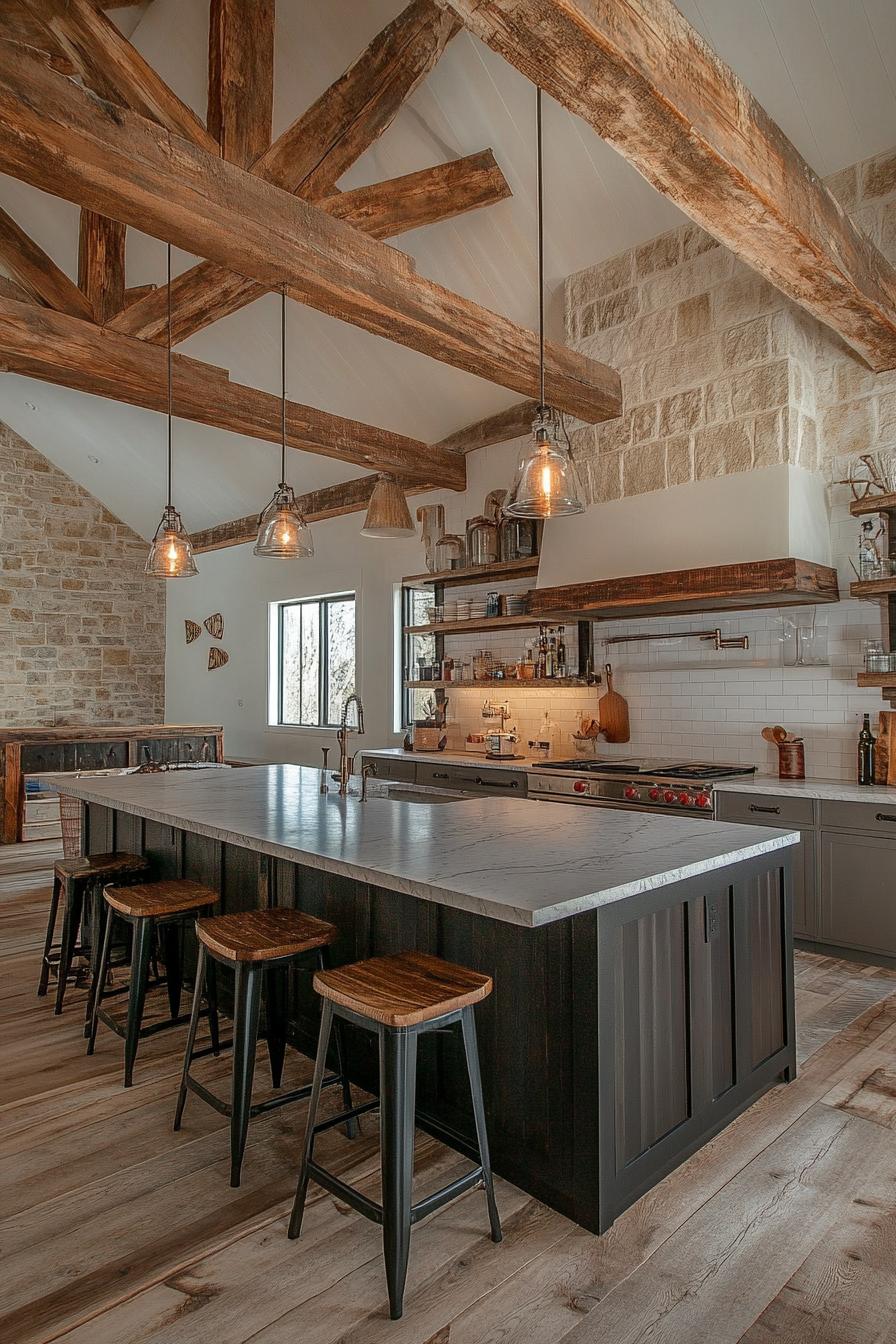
449, 552
518, 538
482, 541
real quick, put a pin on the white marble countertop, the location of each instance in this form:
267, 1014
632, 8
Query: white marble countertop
834, 790
524, 862
472, 758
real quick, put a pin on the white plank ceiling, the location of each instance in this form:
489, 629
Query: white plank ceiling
824, 69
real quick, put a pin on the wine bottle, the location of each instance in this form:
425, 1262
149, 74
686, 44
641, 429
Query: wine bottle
866, 752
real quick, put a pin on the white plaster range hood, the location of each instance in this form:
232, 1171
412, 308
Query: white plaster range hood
706, 545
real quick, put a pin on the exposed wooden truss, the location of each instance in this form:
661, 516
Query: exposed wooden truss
241, 77
205, 293
55, 136
313, 153
36, 273
101, 263
69, 352
650, 86
500, 428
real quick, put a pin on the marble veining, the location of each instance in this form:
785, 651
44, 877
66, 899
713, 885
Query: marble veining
832, 790
522, 862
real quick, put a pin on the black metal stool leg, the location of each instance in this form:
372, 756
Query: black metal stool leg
143, 930
211, 997
247, 1005
352, 1126
174, 977
398, 1086
320, 1067
468, 1027
48, 941
71, 923
276, 989
191, 1035
100, 982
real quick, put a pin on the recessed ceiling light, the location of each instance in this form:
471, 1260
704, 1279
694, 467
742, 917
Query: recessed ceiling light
30, 405
94, 460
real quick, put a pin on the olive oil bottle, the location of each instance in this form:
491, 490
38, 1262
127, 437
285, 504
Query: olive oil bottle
866, 752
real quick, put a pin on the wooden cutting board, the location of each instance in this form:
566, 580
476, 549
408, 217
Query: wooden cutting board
885, 750
613, 712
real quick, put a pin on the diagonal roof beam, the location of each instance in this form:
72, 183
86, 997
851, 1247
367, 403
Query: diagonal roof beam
37, 273
313, 153
57, 137
241, 77
110, 65
69, 352
207, 292
650, 86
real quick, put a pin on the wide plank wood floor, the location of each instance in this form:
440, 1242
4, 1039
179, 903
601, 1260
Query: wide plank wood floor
114, 1230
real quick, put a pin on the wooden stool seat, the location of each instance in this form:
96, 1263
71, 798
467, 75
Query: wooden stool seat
403, 990
264, 935
91, 867
155, 900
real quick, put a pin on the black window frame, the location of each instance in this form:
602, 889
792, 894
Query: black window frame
323, 668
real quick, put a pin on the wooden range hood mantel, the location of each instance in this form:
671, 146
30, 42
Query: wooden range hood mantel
740, 587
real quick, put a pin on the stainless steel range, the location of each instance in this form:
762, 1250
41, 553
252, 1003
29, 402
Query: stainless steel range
649, 786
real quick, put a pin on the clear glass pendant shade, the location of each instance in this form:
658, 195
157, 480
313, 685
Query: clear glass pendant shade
546, 484
171, 551
282, 531
387, 513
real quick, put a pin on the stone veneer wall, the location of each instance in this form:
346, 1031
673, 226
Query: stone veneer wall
82, 630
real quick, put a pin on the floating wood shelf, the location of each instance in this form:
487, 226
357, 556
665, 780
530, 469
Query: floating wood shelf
741, 587
508, 683
475, 627
504, 569
873, 587
860, 508
878, 679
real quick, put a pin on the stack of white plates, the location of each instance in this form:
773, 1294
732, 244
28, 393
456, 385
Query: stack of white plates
516, 604
477, 610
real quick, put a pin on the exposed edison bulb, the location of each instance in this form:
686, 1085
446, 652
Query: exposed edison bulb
171, 552
282, 531
545, 484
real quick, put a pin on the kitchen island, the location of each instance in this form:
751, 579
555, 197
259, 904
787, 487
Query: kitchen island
642, 964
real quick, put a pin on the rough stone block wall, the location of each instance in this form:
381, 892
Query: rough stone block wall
82, 630
720, 373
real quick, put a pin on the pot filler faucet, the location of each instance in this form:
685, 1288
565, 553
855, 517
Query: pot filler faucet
346, 761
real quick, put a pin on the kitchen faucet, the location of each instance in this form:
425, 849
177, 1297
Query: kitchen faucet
346, 761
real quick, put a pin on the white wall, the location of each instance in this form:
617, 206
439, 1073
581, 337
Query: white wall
241, 587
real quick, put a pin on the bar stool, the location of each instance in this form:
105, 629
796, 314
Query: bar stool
151, 908
261, 946
75, 882
398, 997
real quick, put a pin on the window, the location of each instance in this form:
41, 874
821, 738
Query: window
417, 649
315, 660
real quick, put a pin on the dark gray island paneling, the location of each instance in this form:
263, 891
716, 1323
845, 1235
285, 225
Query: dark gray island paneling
618, 1039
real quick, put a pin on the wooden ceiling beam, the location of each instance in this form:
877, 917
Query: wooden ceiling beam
78, 354
500, 428
101, 263
333, 501
389, 208
650, 86
241, 77
57, 137
37, 273
113, 68
205, 293
313, 153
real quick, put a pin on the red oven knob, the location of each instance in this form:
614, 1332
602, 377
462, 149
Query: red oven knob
632, 794
685, 799
654, 795
703, 800
581, 786
668, 796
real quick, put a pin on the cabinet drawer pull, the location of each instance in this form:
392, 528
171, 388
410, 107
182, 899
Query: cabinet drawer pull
754, 807
440, 774
497, 784
885, 816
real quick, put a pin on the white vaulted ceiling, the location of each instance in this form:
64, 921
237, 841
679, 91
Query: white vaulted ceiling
824, 69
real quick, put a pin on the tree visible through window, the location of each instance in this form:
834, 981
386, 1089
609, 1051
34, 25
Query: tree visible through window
317, 660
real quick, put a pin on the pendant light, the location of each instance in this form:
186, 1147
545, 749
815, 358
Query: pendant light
282, 531
546, 484
387, 512
171, 551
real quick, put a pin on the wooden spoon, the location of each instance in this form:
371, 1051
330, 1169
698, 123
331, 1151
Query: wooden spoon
777, 735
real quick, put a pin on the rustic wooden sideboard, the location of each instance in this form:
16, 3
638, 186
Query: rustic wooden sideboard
27, 751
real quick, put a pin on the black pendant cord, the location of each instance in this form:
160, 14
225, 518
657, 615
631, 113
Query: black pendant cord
540, 195
169, 376
283, 385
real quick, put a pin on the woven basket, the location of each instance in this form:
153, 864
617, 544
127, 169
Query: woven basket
70, 815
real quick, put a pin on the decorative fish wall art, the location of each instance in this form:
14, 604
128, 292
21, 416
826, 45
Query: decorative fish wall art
193, 630
217, 658
215, 625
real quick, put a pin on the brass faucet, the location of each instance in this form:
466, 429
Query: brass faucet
346, 761
368, 771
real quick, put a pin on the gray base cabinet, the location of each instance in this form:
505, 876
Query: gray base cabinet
473, 778
761, 809
858, 892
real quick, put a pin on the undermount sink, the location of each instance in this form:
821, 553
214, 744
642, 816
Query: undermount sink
413, 796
